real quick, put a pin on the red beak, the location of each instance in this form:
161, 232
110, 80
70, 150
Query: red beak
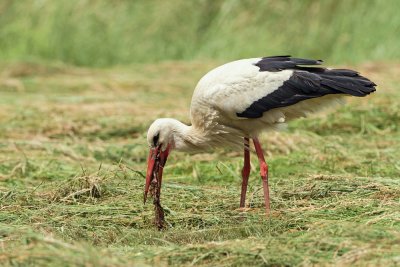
155, 166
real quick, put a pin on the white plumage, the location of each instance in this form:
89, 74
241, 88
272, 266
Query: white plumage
238, 100
233, 87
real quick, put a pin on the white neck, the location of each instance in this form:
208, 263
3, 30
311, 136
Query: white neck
194, 139
188, 138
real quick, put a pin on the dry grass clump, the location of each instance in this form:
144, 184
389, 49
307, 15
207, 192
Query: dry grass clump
79, 188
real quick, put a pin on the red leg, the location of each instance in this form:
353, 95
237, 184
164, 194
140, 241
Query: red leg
245, 171
263, 172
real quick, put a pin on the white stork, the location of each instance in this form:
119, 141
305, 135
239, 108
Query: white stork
235, 102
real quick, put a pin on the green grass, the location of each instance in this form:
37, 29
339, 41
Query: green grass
105, 33
73, 152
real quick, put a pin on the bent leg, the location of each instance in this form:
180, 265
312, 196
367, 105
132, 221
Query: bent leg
264, 173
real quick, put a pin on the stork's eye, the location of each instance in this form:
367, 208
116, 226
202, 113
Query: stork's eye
155, 139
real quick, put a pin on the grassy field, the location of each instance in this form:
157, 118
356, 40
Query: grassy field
73, 152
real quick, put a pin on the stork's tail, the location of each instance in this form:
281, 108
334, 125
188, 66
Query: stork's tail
347, 81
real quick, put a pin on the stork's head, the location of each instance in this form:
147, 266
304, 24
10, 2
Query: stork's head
161, 133
160, 138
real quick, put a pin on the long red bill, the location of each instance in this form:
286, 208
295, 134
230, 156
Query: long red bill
155, 166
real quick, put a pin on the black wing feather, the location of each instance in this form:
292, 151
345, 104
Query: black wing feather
306, 83
278, 63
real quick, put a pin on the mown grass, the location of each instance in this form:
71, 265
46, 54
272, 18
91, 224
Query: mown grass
72, 158
105, 33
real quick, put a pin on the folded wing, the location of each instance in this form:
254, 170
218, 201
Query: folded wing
305, 83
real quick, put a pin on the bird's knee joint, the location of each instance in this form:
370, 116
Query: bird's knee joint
264, 169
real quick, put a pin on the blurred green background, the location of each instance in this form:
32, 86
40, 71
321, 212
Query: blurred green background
107, 33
